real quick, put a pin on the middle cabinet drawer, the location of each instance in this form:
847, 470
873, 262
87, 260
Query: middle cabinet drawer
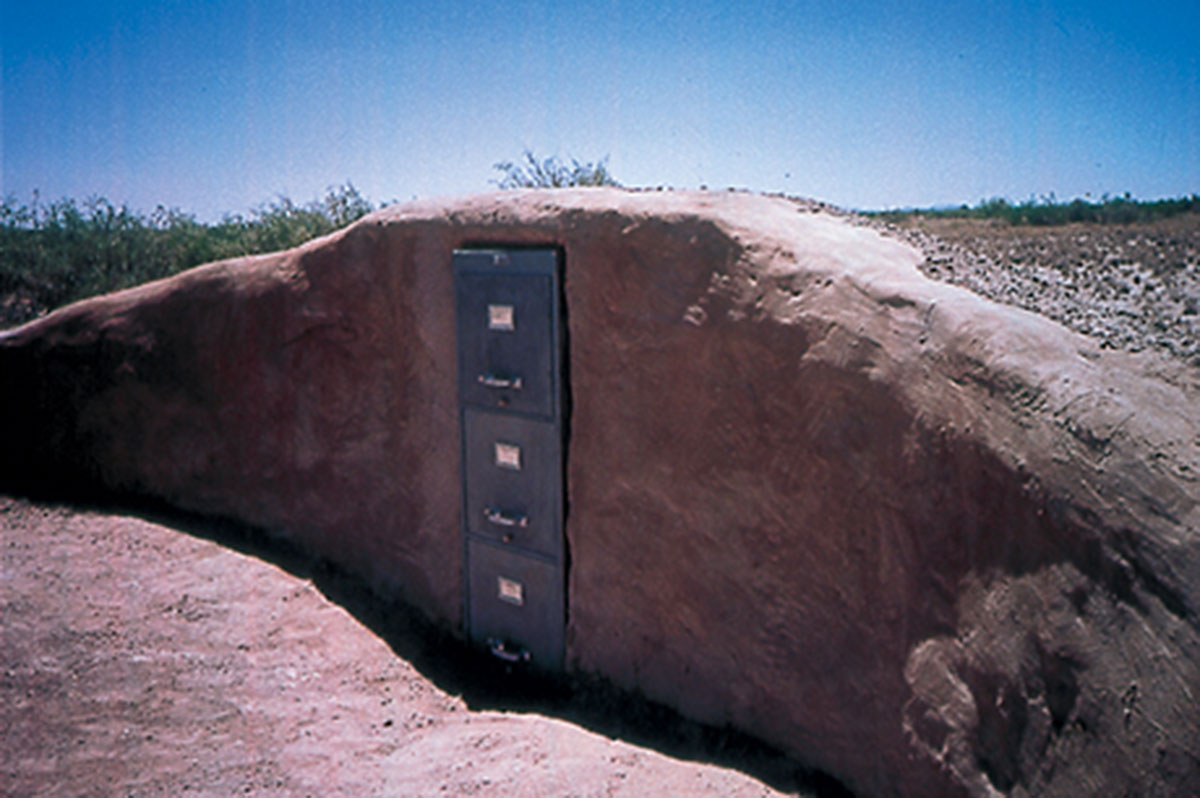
513, 480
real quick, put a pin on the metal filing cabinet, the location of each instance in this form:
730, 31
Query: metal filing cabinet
510, 395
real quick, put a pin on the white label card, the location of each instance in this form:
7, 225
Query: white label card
508, 455
511, 591
502, 317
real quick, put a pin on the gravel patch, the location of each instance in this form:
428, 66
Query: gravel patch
1133, 287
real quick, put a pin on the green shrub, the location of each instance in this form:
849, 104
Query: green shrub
59, 252
1047, 210
553, 173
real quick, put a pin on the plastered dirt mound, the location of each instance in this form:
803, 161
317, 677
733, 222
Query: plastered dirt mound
931, 544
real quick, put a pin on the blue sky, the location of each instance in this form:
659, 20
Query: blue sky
217, 107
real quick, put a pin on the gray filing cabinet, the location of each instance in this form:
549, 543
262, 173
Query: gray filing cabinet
510, 356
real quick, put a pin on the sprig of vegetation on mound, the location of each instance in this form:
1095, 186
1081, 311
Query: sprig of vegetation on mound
532, 171
58, 252
1048, 211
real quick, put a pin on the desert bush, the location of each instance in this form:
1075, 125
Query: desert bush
1048, 210
532, 172
58, 252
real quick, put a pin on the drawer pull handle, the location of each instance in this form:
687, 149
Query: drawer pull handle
494, 381
504, 651
498, 518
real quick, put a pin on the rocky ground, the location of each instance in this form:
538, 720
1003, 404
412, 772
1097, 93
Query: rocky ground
141, 659
1133, 286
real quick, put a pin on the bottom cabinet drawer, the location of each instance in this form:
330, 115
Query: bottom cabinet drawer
516, 605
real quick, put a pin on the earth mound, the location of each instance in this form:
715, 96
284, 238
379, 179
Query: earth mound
928, 543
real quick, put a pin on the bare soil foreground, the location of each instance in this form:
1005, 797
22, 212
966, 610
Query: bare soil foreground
139, 659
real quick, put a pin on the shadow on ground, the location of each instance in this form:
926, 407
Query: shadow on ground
483, 682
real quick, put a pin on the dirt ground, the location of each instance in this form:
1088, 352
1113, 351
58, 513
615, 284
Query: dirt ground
1133, 287
147, 655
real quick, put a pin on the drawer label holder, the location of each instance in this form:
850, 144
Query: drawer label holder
510, 591
502, 318
508, 455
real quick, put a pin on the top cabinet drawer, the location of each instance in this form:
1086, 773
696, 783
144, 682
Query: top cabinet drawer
506, 333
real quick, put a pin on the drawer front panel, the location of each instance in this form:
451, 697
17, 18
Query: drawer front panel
506, 342
513, 480
516, 604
